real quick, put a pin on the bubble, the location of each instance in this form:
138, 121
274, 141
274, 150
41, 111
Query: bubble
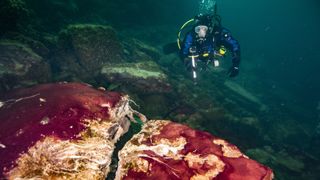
206, 6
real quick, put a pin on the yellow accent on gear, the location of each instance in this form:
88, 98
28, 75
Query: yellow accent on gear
222, 50
205, 55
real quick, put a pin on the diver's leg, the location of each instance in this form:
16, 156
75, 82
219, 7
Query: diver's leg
188, 64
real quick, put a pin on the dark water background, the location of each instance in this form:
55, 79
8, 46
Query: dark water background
280, 56
280, 39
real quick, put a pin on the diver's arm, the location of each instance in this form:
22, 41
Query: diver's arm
187, 44
232, 45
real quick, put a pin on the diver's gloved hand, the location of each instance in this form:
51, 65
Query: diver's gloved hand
233, 71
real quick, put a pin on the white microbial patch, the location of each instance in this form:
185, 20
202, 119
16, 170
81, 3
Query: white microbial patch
1, 104
2, 146
45, 120
105, 105
19, 132
42, 100
102, 88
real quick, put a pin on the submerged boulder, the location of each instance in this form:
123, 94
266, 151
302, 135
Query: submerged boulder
37, 46
143, 76
167, 150
20, 66
280, 159
137, 51
248, 96
92, 45
65, 130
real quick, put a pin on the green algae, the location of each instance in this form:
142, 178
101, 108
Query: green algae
20, 46
143, 70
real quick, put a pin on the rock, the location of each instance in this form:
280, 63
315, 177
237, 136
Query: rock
157, 109
138, 51
281, 159
92, 45
60, 131
143, 76
36, 46
85, 49
236, 88
167, 150
20, 66
66, 68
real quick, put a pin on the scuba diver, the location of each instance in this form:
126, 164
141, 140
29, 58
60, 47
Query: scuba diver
207, 42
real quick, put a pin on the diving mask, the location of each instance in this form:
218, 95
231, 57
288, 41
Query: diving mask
201, 30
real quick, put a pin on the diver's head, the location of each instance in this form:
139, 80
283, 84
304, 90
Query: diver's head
203, 25
201, 31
